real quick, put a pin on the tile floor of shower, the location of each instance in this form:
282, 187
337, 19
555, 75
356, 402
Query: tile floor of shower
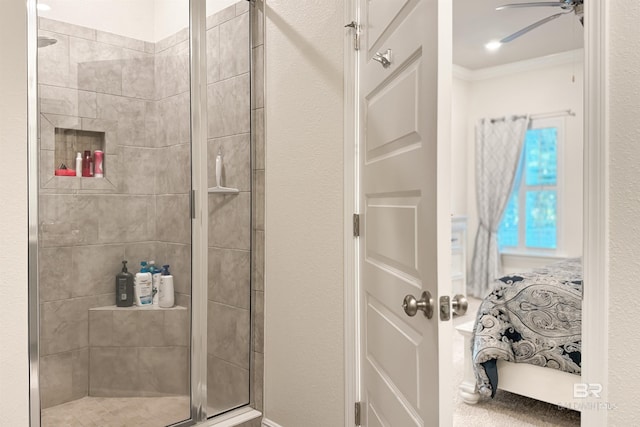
120, 412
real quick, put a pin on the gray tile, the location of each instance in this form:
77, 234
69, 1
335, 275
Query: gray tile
258, 137
176, 328
101, 328
58, 100
68, 220
125, 219
227, 385
94, 269
235, 49
130, 116
178, 256
64, 325
213, 54
56, 273
65, 28
257, 330
138, 77
236, 161
230, 221
151, 123
95, 66
143, 251
173, 121
228, 107
56, 376
257, 92
258, 188
174, 169
87, 104
258, 261
118, 40
126, 328
114, 371
80, 373
229, 274
164, 371
53, 62
228, 330
172, 71
153, 334
173, 218
220, 16
149, 47
138, 170
242, 7
183, 300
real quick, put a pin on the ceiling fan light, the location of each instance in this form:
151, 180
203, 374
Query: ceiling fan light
493, 45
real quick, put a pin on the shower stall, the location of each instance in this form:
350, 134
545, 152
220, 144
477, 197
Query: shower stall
143, 149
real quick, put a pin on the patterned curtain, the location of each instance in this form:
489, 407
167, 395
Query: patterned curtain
498, 148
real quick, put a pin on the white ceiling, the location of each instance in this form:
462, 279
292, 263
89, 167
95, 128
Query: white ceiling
476, 22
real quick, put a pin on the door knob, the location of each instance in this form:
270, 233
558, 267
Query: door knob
383, 58
459, 304
425, 304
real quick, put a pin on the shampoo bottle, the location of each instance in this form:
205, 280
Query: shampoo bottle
124, 286
143, 289
156, 273
167, 298
79, 165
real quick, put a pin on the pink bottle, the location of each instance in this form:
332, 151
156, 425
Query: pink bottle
98, 163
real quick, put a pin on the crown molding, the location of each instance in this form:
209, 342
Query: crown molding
532, 64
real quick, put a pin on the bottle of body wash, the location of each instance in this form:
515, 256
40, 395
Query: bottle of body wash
167, 297
124, 287
156, 273
143, 288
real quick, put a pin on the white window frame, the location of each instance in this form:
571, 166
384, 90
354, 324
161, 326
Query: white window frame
522, 249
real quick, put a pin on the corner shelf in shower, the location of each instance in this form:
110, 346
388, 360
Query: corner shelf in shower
223, 190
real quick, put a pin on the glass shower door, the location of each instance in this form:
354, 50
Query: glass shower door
115, 184
229, 179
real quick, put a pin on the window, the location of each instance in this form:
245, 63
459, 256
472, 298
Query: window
530, 220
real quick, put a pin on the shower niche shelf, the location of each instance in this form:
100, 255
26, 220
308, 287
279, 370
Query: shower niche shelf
70, 142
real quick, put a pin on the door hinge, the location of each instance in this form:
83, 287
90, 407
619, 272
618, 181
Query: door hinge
358, 408
356, 34
356, 225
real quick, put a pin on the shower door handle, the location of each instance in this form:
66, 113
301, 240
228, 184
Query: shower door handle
383, 58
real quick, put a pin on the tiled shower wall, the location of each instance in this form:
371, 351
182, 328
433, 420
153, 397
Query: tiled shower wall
137, 92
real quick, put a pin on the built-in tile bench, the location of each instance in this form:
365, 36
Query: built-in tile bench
138, 352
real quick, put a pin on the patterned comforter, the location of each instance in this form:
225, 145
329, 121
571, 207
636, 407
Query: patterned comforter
532, 318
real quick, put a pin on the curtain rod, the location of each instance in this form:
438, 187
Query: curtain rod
560, 113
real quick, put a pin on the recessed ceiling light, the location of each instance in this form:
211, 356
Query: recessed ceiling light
43, 7
493, 45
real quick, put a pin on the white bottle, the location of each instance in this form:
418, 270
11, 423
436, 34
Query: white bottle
156, 273
167, 297
143, 287
79, 165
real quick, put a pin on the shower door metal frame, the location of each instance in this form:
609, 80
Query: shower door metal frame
199, 221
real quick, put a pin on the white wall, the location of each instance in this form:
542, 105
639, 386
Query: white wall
304, 373
14, 368
459, 145
511, 90
150, 20
624, 208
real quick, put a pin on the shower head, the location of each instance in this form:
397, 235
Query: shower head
46, 41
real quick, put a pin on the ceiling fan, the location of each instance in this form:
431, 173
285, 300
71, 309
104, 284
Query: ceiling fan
567, 6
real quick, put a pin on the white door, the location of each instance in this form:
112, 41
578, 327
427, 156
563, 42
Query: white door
404, 247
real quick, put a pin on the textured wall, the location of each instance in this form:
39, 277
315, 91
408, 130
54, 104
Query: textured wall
624, 187
304, 372
14, 373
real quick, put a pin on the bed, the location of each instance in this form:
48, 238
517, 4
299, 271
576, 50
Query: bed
526, 338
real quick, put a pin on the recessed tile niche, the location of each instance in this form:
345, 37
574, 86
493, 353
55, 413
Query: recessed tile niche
70, 142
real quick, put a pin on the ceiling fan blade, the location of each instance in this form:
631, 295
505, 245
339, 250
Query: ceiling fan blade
537, 4
532, 27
